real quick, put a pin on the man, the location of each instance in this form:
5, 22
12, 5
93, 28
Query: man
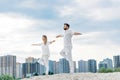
67, 51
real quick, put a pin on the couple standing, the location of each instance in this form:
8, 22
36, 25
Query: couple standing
66, 51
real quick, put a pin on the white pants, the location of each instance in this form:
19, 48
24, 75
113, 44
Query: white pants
67, 54
45, 61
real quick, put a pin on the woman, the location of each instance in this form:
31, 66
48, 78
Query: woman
45, 52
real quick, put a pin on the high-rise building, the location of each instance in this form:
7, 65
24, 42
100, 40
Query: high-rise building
31, 68
102, 65
106, 63
64, 66
109, 63
57, 67
42, 69
77, 70
18, 70
82, 66
92, 66
30, 60
74, 63
116, 61
26, 69
8, 65
52, 66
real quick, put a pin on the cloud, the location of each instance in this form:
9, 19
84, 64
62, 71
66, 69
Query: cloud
92, 10
35, 4
99, 38
10, 24
96, 45
30, 4
18, 32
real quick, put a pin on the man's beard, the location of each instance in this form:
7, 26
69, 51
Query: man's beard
65, 28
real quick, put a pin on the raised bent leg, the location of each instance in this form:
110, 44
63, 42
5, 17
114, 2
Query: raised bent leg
63, 53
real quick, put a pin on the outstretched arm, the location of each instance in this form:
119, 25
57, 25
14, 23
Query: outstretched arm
77, 33
52, 41
58, 36
36, 44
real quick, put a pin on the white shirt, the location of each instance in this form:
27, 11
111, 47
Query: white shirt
68, 38
45, 49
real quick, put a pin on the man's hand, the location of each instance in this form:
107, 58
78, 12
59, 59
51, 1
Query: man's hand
33, 44
76, 33
58, 36
52, 41
36, 44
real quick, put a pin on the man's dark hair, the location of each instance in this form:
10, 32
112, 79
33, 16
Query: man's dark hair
67, 25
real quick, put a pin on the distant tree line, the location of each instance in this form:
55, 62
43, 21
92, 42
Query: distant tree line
104, 70
7, 77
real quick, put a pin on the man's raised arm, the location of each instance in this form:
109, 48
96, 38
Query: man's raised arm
58, 36
77, 33
52, 41
36, 44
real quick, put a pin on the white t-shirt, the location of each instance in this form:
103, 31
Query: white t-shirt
45, 49
68, 38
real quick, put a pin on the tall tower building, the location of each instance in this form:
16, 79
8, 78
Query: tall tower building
102, 65
18, 70
8, 65
64, 66
82, 66
92, 66
31, 68
52, 66
106, 63
74, 63
57, 67
116, 61
30, 60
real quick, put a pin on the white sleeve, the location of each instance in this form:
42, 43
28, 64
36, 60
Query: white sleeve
71, 32
48, 43
41, 44
62, 35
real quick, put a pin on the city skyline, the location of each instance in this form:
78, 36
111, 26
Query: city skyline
9, 65
109, 61
85, 62
23, 22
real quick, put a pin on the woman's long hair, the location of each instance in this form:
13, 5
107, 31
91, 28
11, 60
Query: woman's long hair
45, 38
